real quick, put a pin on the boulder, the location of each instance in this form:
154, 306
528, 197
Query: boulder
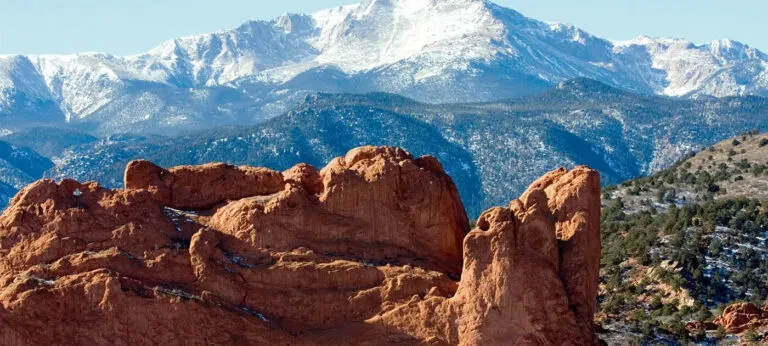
739, 317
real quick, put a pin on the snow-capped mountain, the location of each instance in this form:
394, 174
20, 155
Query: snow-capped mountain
433, 51
680, 68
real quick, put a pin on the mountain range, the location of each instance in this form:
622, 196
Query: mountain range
492, 150
448, 51
673, 128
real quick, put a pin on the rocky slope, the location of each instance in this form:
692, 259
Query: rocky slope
432, 51
375, 248
681, 245
730, 169
491, 149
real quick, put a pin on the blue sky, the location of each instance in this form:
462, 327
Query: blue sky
134, 26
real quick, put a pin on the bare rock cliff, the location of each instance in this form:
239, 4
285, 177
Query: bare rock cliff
375, 248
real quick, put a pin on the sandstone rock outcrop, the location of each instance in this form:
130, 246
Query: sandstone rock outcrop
375, 248
201, 187
739, 317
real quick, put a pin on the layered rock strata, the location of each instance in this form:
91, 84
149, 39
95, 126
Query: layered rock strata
375, 248
740, 317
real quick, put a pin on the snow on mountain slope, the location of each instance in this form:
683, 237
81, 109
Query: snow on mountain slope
433, 51
19, 76
219, 58
720, 68
25, 99
381, 33
81, 83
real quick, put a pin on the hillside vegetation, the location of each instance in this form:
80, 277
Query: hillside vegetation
681, 244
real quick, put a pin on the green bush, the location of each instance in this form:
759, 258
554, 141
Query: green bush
751, 335
720, 333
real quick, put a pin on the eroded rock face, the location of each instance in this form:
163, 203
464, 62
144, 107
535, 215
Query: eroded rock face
519, 285
201, 187
368, 250
739, 317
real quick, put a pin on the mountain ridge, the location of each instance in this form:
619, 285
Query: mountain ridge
437, 52
499, 145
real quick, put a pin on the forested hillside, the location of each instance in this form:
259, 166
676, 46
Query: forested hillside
680, 245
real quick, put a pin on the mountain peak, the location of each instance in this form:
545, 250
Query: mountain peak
432, 51
405, 9
380, 33
416, 3
732, 50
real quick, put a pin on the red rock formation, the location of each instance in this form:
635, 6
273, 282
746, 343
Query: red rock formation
366, 251
739, 317
201, 187
695, 327
518, 285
